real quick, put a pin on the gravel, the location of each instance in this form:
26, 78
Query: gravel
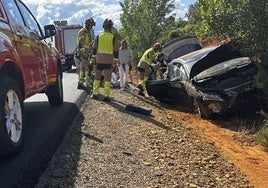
108, 146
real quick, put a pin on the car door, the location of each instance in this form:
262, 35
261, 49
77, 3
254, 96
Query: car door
35, 36
27, 42
178, 86
159, 89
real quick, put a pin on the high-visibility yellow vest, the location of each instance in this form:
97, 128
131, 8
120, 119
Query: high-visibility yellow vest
145, 55
83, 33
105, 43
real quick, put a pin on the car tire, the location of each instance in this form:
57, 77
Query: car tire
202, 109
11, 117
55, 92
69, 64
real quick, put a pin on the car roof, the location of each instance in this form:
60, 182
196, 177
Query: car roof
200, 60
188, 60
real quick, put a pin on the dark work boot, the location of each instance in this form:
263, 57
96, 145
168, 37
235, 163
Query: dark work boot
107, 99
93, 96
141, 93
140, 87
80, 85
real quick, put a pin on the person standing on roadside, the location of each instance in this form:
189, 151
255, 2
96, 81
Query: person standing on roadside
146, 64
105, 53
130, 76
125, 57
84, 46
77, 60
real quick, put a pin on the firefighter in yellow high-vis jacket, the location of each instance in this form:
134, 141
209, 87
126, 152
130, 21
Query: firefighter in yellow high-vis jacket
147, 62
85, 39
105, 53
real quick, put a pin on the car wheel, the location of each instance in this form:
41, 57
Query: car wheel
69, 64
202, 109
11, 117
55, 92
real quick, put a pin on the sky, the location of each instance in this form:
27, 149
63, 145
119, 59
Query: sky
77, 11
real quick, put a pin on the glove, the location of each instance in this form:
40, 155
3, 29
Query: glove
115, 60
93, 59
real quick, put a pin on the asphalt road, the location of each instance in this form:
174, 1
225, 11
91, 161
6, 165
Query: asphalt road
45, 128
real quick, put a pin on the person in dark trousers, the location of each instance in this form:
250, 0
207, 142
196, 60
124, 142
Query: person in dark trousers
105, 53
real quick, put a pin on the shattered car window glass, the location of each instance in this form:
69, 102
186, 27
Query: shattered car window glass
177, 71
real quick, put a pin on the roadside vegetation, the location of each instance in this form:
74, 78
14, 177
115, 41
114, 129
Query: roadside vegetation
243, 23
262, 135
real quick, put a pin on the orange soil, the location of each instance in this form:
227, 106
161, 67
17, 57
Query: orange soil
251, 159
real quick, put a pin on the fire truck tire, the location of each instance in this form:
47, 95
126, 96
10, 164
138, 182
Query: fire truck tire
11, 117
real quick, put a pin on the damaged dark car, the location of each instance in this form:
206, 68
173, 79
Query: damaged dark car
209, 81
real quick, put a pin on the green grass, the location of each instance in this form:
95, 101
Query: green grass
262, 136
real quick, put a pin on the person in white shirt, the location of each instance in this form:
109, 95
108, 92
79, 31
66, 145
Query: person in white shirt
124, 57
115, 76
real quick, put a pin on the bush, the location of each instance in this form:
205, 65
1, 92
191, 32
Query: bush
262, 136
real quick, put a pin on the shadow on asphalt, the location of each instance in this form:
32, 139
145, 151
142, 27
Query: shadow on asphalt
45, 128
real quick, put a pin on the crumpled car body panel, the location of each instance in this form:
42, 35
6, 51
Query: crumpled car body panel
217, 55
219, 81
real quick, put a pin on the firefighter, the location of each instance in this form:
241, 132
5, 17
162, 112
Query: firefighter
147, 62
105, 53
84, 45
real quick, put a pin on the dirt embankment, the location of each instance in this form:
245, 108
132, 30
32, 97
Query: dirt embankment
108, 146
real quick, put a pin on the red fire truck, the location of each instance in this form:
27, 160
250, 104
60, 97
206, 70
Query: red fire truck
65, 42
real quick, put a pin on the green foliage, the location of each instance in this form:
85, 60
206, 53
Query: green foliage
262, 136
144, 22
255, 32
116, 33
245, 23
178, 31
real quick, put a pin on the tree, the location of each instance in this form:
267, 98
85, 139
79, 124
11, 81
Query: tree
245, 23
255, 32
144, 22
196, 24
178, 31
